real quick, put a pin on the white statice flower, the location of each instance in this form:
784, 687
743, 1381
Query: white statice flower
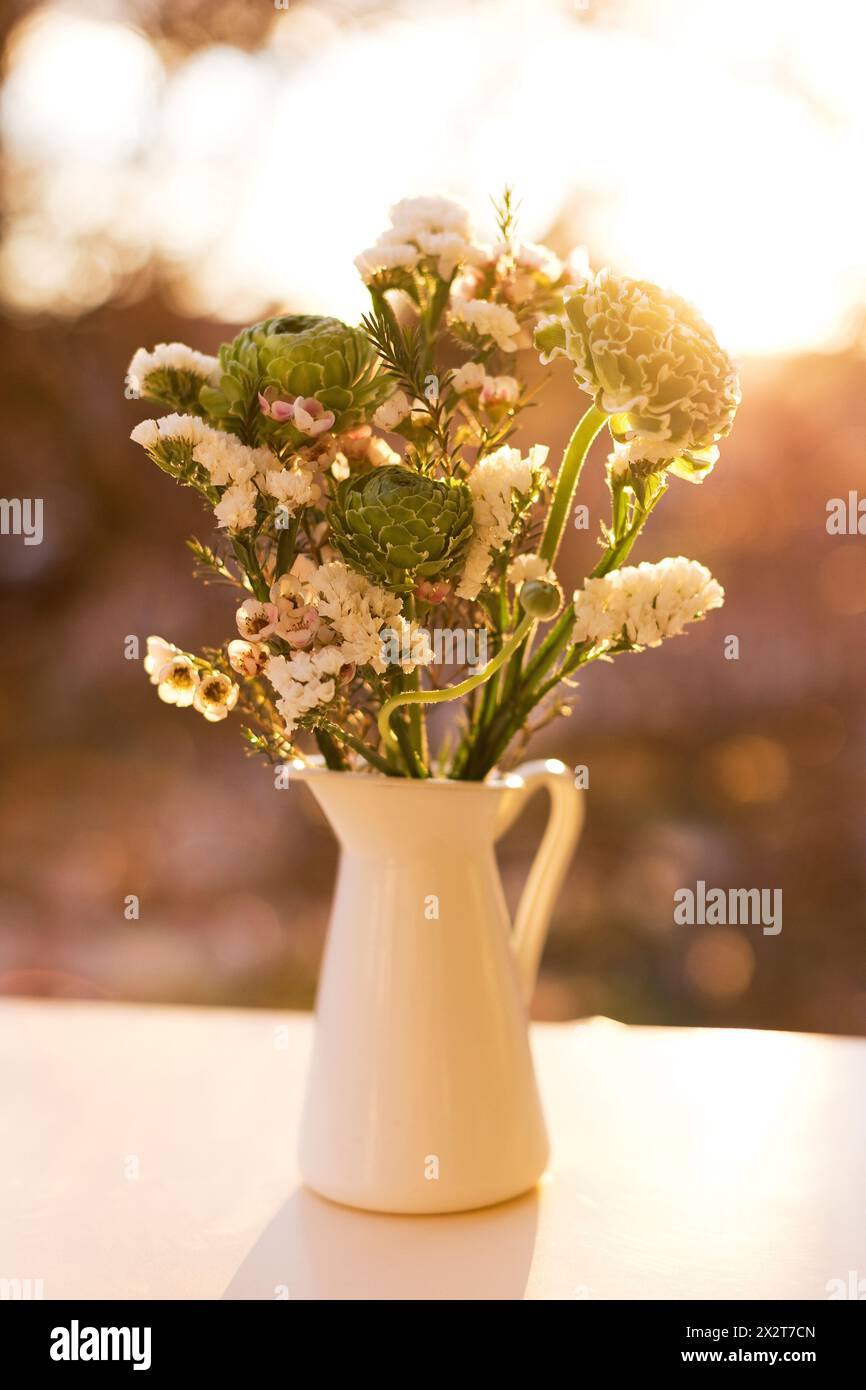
173, 357
293, 487
525, 567
146, 433
393, 411
304, 681
470, 377
224, 457
159, 654
448, 249
475, 570
618, 461
236, 509
315, 664
492, 483
356, 610
644, 603
227, 460
215, 696
433, 230
339, 621
405, 644
382, 257
334, 618
488, 320
415, 216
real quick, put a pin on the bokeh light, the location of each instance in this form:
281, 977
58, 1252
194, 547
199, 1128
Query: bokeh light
171, 170
706, 151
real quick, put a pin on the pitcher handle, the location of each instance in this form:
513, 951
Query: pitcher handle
551, 862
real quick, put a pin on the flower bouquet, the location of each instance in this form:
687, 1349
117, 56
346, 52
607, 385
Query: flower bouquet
392, 550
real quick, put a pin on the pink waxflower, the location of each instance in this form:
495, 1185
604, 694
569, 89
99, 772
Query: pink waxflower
499, 390
247, 658
310, 416
430, 592
299, 627
257, 621
276, 409
299, 620
354, 443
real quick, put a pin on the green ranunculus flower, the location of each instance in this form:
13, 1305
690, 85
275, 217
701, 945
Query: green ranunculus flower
649, 360
296, 356
398, 526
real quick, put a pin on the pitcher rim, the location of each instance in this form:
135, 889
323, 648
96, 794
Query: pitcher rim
314, 767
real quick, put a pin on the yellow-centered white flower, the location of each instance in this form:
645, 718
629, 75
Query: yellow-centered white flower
215, 696
178, 681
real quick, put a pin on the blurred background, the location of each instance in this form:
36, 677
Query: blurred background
172, 169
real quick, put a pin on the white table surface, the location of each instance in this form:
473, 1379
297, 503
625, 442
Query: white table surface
686, 1163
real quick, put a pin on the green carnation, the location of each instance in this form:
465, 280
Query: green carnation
398, 526
649, 360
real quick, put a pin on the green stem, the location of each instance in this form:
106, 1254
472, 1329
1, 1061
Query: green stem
245, 554
499, 613
286, 547
330, 751
522, 694
335, 734
567, 479
546, 653
404, 741
490, 755
412, 681
449, 692
614, 555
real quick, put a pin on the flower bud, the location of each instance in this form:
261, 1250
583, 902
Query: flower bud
540, 599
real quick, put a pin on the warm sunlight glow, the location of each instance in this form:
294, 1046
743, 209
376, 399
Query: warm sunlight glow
703, 150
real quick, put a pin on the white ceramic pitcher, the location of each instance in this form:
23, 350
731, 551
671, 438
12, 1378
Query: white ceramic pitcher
421, 1095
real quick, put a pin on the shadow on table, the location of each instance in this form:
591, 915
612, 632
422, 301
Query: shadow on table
313, 1249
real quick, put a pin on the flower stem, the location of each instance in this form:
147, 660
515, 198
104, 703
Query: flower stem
245, 554
586, 430
412, 681
449, 692
567, 479
330, 750
338, 735
621, 548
